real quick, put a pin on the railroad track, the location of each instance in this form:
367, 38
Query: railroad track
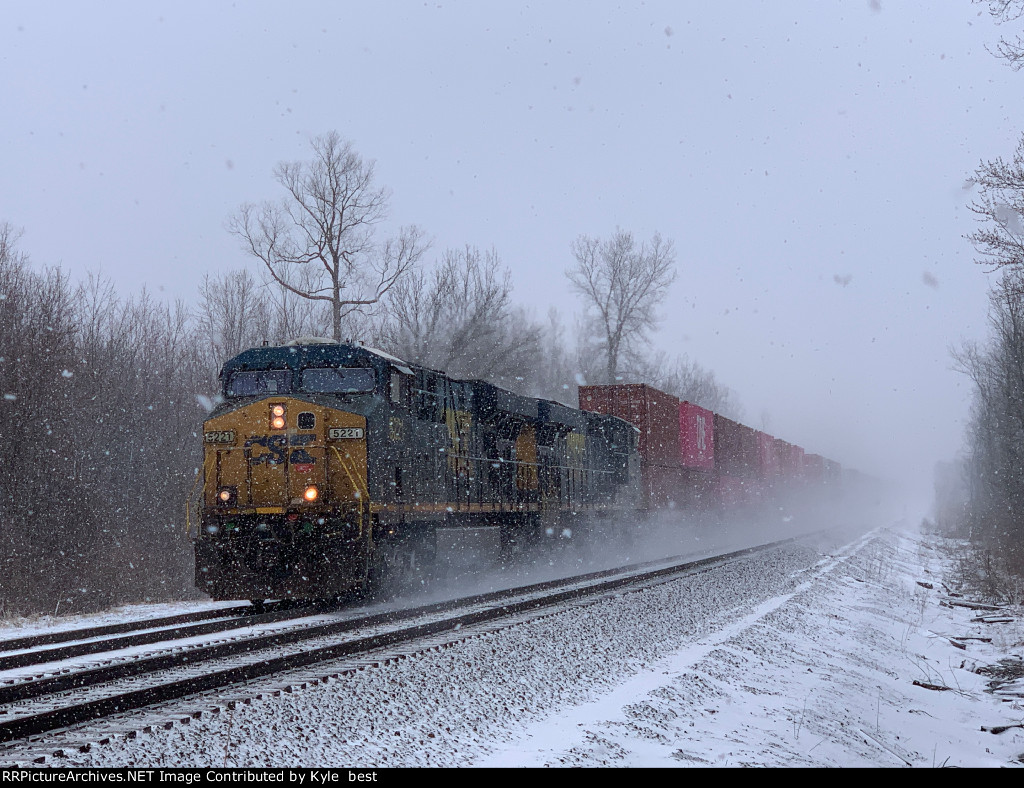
37, 705
32, 650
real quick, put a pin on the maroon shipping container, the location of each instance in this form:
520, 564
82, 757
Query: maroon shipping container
735, 449
696, 436
792, 462
733, 492
768, 459
664, 487
814, 468
653, 412
700, 490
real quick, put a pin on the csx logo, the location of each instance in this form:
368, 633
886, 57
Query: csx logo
276, 446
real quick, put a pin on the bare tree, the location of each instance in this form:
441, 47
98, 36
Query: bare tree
1003, 12
460, 319
232, 315
325, 227
996, 428
622, 286
1000, 206
557, 374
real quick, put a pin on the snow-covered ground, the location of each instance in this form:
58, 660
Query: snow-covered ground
806, 659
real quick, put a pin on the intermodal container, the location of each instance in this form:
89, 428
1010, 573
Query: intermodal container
814, 468
664, 487
653, 412
696, 436
733, 491
792, 462
735, 449
768, 459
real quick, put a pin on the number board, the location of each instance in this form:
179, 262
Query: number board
340, 433
219, 436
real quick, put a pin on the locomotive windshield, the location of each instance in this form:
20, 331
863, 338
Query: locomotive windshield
271, 381
336, 381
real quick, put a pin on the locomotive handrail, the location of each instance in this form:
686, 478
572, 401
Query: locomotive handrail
362, 492
188, 505
357, 481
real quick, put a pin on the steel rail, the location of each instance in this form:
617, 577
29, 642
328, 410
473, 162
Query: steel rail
42, 656
502, 604
66, 635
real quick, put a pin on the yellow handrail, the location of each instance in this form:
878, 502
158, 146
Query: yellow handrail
362, 490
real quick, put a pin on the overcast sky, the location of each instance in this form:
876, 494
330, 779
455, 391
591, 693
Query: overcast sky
808, 159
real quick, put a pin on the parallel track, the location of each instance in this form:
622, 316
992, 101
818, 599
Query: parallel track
140, 633
46, 704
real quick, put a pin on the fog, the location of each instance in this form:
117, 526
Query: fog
596, 544
810, 161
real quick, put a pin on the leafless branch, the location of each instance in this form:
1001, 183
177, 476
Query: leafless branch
622, 285
327, 224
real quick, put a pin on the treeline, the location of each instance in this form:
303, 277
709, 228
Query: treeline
103, 398
456, 314
982, 495
985, 502
103, 395
98, 441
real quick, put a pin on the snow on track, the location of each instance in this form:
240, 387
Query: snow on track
786, 659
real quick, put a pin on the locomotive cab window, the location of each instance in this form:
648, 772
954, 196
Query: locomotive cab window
272, 381
332, 380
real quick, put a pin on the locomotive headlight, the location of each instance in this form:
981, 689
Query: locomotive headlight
311, 493
277, 417
226, 496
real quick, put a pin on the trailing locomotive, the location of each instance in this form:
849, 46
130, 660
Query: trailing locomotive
329, 465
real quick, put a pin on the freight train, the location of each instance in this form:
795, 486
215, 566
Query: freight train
329, 467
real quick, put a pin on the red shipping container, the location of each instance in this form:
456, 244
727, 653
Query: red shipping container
696, 436
814, 468
653, 412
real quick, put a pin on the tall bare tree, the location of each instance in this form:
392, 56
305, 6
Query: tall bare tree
325, 228
622, 285
232, 314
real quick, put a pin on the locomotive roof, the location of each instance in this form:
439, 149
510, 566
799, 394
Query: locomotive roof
315, 352
299, 355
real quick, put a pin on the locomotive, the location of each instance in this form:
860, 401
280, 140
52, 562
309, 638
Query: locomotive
328, 466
